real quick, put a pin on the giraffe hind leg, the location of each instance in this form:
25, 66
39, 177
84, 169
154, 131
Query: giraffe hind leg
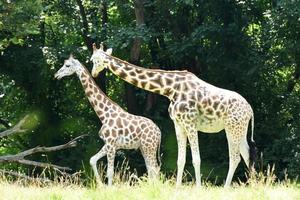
149, 152
244, 148
234, 138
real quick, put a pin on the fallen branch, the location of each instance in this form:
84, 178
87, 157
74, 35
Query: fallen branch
20, 157
18, 128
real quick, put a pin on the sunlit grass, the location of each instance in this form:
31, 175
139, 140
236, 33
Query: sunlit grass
128, 186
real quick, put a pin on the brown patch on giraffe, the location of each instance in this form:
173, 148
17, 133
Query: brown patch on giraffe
167, 92
126, 68
106, 134
192, 85
98, 112
150, 74
126, 132
183, 97
182, 108
168, 81
209, 101
95, 102
108, 103
179, 78
107, 115
98, 97
216, 104
83, 75
157, 80
138, 71
143, 126
100, 105
125, 122
132, 73
122, 74
191, 103
89, 93
122, 115
142, 77
143, 84
184, 87
134, 81
135, 123
111, 122
131, 128
114, 115
214, 97
222, 107
84, 86
151, 87
218, 113
95, 89
114, 133
156, 90
138, 129
209, 111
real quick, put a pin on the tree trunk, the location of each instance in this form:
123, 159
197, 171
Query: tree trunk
101, 80
85, 27
135, 55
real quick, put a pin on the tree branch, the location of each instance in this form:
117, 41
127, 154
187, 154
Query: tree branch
15, 129
19, 157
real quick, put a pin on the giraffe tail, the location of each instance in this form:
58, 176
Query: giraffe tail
252, 146
158, 153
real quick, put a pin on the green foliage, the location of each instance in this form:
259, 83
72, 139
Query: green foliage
251, 47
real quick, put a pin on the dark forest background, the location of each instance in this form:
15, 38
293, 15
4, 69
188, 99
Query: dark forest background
251, 47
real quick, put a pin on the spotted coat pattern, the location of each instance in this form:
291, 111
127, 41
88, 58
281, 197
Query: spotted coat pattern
120, 129
194, 106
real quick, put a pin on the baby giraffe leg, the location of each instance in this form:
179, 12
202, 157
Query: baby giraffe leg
94, 159
110, 164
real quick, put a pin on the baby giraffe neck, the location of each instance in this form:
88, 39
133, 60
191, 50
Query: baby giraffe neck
99, 101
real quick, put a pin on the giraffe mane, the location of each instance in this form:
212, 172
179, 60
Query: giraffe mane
152, 70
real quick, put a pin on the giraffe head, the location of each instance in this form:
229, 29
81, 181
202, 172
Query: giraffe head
70, 67
99, 59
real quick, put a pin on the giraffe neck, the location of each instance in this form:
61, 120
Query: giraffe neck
158, 81
99, 101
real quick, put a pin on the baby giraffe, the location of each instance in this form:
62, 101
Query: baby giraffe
120, 129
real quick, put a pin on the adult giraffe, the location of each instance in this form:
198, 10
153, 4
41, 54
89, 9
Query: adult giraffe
195, 106
120, 129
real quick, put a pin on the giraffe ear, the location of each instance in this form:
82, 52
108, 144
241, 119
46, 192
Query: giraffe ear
94, 47
109, 51
101, 46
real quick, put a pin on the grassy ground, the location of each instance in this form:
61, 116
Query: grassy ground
259, 186
143, 190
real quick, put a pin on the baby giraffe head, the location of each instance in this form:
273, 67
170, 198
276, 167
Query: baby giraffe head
99, 59
70, 67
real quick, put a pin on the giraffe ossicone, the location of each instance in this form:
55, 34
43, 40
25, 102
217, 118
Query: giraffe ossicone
120, 129
195, 105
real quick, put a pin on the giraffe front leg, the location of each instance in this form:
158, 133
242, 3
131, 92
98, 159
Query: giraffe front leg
181, 142
194, 144
110, 164
93, 162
